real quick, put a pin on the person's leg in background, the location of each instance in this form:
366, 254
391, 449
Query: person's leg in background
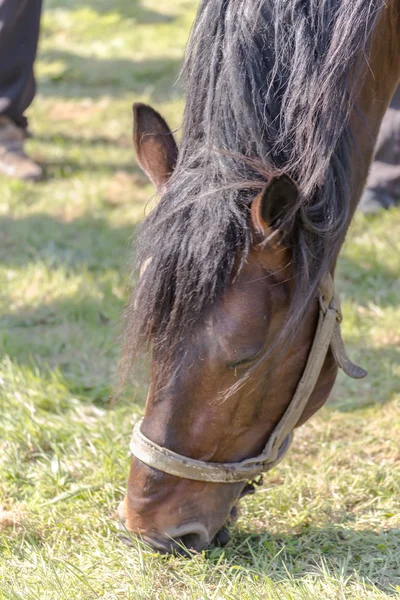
383, 186
19, 34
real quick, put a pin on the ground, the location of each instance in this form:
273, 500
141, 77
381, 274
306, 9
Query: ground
326, 523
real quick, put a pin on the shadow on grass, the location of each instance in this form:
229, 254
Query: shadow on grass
73, 328
65, 168
341, 552
378, 388
132, 9
93, 77
367, 283
76, 340
87, 242
73, 141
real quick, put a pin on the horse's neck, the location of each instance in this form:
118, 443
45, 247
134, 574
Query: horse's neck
379, 85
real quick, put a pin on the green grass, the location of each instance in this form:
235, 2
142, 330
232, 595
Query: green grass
326, 523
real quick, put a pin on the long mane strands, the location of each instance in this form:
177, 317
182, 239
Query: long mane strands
270, 85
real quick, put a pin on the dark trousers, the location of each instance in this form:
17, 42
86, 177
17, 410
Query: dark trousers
385, 170
19, 34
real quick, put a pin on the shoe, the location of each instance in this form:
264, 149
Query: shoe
14, 162
374, 200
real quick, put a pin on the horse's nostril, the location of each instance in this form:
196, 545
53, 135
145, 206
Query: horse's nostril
190, 541
191, 538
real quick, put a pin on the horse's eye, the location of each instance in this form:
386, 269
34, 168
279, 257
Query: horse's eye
239, 363
244, 362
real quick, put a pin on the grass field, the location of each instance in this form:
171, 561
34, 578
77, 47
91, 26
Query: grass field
326, 523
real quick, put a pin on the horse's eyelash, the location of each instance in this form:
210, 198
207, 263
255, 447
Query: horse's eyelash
242, 362
235, 365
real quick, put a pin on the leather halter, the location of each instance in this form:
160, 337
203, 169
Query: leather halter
327, 335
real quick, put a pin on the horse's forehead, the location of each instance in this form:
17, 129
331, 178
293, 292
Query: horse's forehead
260, 291
263, 270
244, 302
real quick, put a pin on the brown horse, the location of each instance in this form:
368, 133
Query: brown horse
284, 100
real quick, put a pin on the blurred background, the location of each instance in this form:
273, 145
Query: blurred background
65, 242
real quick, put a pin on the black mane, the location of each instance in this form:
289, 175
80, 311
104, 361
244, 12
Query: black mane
268, 90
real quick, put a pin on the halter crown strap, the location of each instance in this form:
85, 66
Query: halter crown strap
327, 335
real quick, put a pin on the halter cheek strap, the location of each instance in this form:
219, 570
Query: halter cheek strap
327, 335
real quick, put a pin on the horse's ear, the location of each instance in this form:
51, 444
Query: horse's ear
273, 203
154, 143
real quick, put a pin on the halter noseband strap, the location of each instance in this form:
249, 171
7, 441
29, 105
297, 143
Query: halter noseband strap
327, 335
